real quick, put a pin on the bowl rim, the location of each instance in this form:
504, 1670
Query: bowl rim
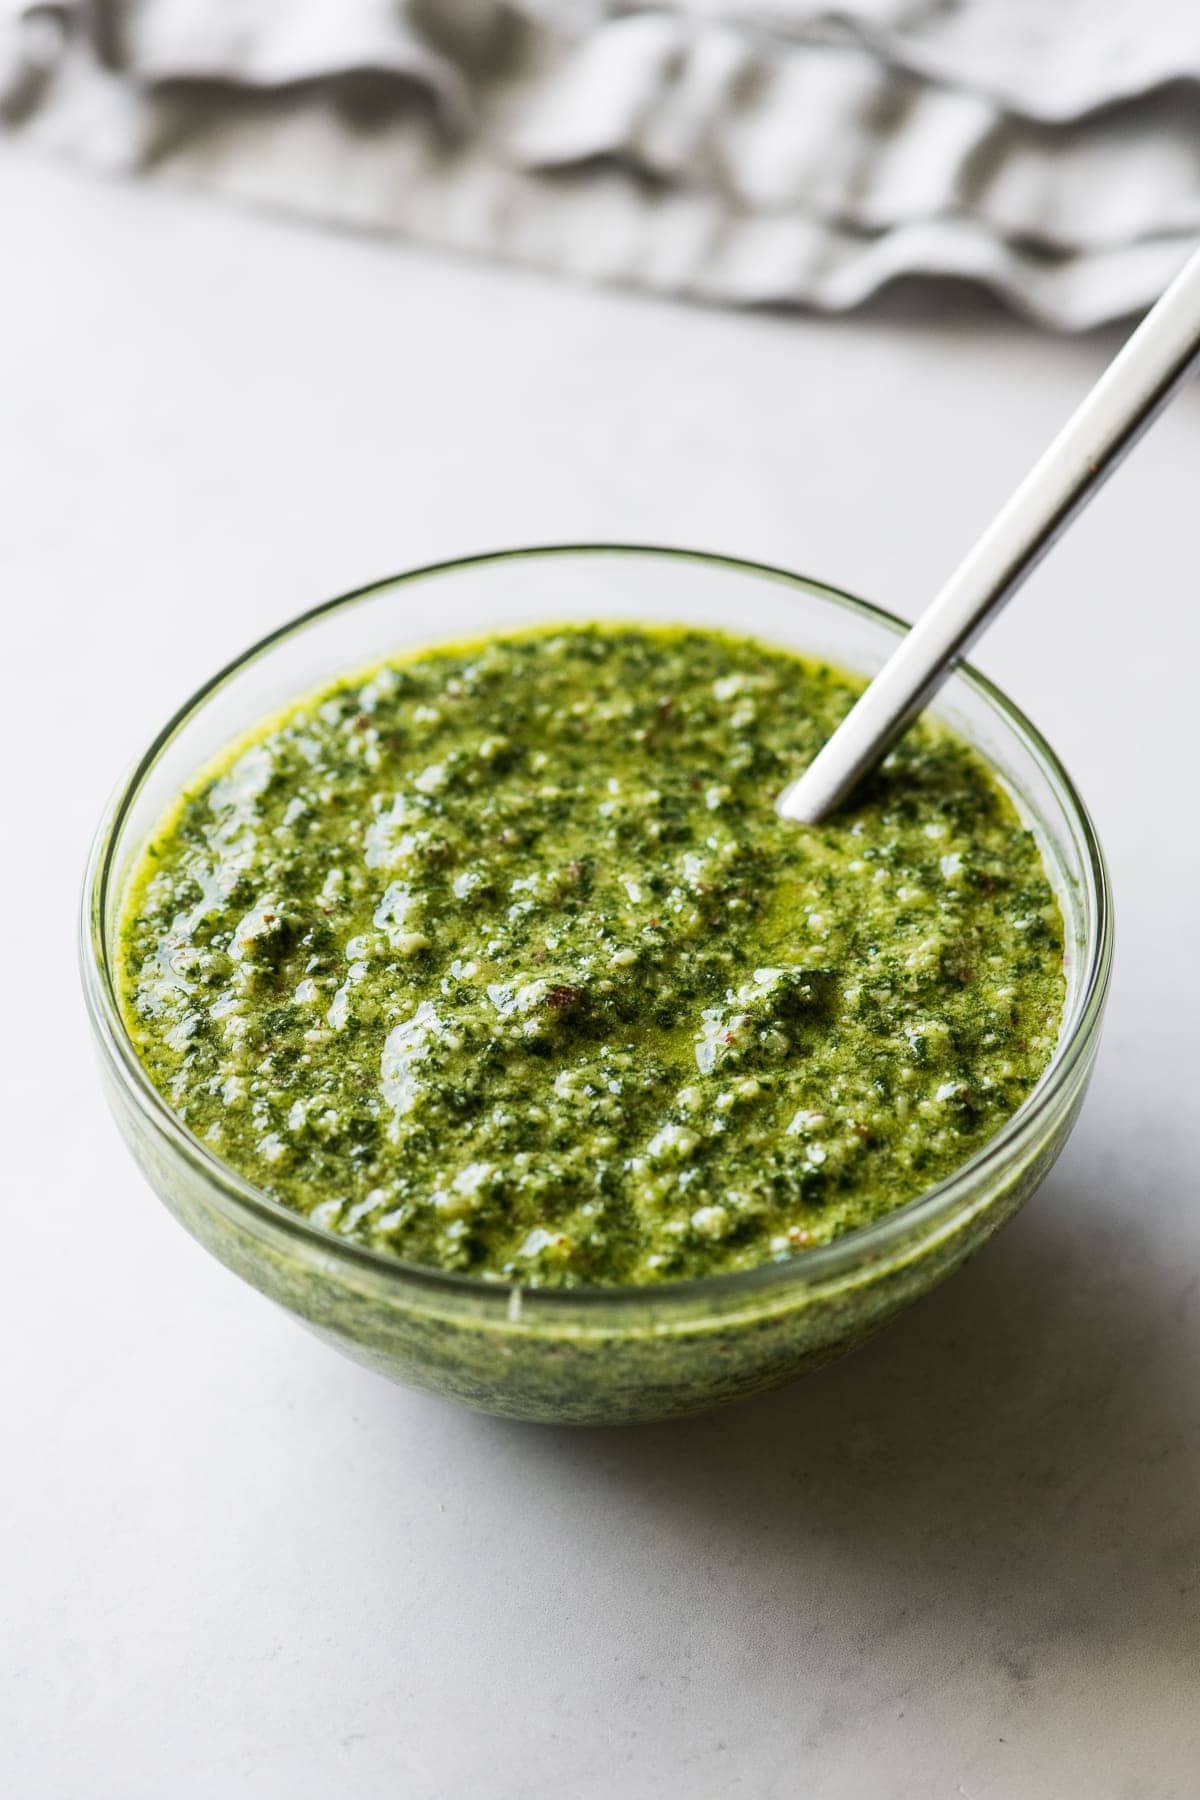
817, 1267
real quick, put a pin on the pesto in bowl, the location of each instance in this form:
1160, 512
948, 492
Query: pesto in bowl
811, 1113
497, 958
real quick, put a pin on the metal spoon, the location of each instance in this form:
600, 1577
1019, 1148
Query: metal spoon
1144, 376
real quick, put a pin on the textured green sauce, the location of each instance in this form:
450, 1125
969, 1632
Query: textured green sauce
499, 959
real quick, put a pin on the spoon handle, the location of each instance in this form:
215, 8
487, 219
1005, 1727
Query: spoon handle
1140, 381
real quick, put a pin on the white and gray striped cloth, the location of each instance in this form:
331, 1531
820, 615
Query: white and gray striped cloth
752, 151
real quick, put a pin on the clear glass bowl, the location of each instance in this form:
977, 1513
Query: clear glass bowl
602, 1354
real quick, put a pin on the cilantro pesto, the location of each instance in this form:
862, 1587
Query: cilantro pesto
498, 959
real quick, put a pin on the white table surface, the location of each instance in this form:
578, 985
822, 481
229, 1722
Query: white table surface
962, 1563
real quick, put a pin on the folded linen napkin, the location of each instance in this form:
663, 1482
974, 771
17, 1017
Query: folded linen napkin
753, 151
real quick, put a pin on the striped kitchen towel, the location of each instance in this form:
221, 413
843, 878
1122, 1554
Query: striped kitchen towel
744, 151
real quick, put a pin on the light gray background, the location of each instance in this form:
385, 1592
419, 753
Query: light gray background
963, 1563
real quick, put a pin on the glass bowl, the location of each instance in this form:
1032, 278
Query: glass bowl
601, 1354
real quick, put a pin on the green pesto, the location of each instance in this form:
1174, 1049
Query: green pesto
499, 959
